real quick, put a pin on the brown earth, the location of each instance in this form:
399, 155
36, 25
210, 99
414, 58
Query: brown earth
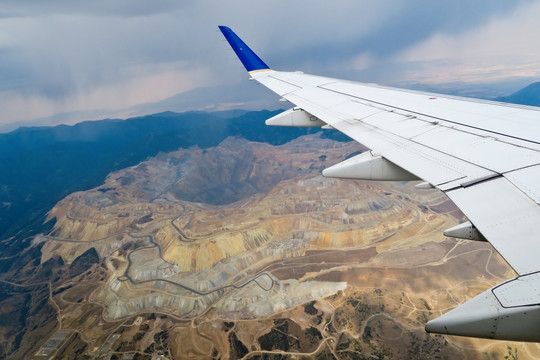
245, 251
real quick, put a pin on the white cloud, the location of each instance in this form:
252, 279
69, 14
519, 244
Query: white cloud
143, 86
16, 107
362, 61
505, 47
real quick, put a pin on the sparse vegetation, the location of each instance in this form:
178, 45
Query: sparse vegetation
310, 308
512, 353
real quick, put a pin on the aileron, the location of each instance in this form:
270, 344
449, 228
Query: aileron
506, 217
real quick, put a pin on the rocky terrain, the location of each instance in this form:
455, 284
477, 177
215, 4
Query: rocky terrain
244, 251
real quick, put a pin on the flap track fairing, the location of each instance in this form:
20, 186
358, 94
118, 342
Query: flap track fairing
367, 166
295, 117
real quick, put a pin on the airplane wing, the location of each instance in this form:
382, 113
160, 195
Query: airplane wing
485, 156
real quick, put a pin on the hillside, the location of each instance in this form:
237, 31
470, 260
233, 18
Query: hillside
529, 95
42, 165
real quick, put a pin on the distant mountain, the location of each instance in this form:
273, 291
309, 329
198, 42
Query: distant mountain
246, 95
250, 96
41, 165
529, 95
61, 118
488, 91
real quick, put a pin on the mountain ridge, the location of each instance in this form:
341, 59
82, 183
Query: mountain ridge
529, 95
246, 96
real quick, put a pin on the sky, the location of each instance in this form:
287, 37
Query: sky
62, 56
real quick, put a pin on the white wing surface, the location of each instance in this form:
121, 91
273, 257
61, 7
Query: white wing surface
484, 155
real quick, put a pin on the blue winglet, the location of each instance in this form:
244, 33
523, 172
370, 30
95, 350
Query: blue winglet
250, 60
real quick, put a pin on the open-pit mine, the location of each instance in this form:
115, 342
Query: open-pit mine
245, 251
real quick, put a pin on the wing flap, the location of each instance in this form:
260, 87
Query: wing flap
506, 217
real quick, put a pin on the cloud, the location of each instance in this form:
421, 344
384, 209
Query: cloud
363, 61
145, 87
505, 47
120, 8
63, 55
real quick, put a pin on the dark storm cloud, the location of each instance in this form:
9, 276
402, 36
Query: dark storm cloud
121, 8
63, 55
383, 30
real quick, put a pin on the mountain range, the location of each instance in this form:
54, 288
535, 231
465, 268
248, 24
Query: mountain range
251, 96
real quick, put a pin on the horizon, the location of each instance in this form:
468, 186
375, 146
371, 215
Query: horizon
269, 103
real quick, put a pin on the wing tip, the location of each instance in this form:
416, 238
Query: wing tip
249, 59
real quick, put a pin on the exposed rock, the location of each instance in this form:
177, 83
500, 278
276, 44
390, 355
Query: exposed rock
169, 254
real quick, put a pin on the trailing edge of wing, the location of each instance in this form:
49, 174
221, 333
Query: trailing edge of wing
249, 59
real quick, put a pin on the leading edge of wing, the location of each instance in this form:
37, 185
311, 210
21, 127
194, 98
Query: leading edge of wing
249, 59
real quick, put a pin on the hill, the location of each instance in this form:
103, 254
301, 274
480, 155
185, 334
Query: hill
41, 165
529, 95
